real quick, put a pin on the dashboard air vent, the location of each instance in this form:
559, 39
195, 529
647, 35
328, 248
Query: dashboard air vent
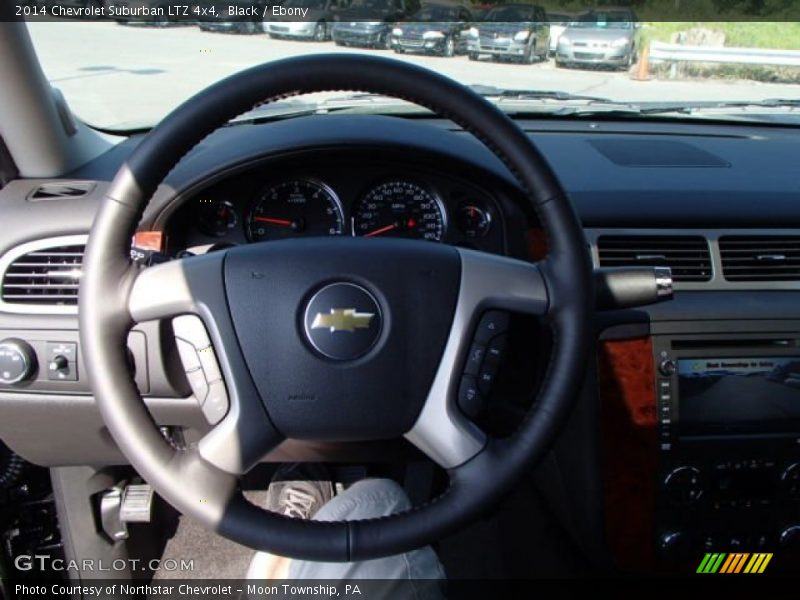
687, 255
45, 277
62, 189
760, 257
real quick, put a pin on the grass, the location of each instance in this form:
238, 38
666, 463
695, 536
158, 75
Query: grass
782, 35
775, 35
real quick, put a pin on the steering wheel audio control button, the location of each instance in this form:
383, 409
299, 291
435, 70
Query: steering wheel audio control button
469, 398
493, 322
342, 321
496, 349
475, 359
486, 379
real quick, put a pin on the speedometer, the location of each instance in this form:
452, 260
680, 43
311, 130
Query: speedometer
399, 209
296, 207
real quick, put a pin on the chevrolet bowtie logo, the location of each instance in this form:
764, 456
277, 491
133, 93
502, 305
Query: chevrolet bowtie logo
342, 319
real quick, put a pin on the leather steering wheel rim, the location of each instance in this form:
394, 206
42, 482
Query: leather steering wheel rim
201, 489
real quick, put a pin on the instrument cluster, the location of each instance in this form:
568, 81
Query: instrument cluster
380, 201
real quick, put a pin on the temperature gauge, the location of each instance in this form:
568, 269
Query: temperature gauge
473, 221
216, 217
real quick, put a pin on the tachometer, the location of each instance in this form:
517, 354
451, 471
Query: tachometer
296, 207
399, 209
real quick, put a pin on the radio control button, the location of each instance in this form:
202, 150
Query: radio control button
683, 486
667, 367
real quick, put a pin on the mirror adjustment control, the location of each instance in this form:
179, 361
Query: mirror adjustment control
17, 361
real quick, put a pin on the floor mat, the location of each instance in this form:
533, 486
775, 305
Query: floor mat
212, 556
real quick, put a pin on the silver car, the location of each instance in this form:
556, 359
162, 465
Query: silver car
599, 38
315, 26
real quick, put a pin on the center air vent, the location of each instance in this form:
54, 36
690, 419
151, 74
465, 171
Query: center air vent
687, 255
43, 276
760, 257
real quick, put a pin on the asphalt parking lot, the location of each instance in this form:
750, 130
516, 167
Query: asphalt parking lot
125, 76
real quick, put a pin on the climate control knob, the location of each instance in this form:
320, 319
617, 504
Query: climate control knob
683, 486
17, 361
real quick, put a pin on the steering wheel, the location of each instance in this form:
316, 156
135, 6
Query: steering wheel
332, 338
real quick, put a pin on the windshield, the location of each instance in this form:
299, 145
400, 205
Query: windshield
608, 20
510, 14
435, 13
125, 73
305, 3
376, 4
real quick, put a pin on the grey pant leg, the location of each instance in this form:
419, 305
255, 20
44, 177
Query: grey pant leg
369, 499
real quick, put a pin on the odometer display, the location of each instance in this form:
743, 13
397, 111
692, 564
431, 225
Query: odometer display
399, 209
299, 207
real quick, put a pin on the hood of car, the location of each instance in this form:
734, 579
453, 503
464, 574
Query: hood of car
365, 14
503, 28
420, 27
596, 34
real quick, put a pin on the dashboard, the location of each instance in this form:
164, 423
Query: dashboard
342, 193
726, 216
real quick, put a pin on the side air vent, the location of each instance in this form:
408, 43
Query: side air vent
688, 256
42, 276
61, 189
760, 257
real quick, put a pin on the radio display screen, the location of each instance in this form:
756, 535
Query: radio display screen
739, 394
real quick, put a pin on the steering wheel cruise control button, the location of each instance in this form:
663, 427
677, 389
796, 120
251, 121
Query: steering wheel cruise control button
201, 367
342, 321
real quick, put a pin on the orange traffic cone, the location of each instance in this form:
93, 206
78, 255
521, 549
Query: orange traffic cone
642, 72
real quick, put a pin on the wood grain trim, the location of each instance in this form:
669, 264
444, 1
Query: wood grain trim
627, 394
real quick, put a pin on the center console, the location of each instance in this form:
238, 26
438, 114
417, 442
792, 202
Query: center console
728, 442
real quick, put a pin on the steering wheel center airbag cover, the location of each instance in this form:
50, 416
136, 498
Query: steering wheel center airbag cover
365, 325
342, 321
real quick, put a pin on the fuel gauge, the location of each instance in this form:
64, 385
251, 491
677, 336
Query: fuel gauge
473, 221
216, 217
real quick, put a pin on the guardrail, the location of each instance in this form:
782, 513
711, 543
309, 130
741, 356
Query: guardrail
663, 52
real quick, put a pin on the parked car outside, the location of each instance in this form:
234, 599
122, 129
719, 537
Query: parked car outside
599, 38
558, 23
369, 23
518, 32
437, 28
220, 21
164, 12
316, 26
